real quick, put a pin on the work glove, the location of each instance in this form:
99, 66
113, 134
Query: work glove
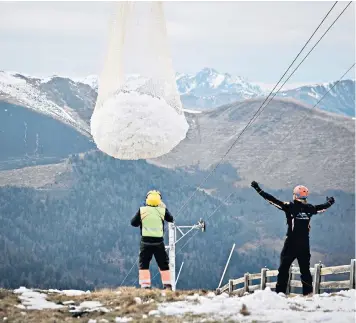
330, 200
256, 186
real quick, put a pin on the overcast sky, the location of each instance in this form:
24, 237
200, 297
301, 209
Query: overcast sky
256, 40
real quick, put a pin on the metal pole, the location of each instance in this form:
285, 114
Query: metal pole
227, 263
184, 234
180, 269
352, 273
172, 254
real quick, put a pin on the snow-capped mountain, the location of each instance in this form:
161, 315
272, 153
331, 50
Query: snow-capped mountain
209, 89
91, 80
57, 97
206, 89
72, 100
205, 84
340, 99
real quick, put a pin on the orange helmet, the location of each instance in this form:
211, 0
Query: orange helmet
301, 192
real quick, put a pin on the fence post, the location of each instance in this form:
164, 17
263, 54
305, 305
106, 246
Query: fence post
246, 276
231, 285
353, 274
268, 279
316, 285
263, 278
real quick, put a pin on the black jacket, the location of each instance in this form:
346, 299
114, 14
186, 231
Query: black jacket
136, 222
298, 215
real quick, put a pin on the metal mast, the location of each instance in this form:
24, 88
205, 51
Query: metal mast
173, 229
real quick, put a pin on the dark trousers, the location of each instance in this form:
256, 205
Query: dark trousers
292, 250
155, 249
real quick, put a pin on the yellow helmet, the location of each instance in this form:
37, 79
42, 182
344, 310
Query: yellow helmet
153, 198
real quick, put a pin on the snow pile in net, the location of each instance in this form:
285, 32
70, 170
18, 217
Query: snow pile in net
143, 126
138, 113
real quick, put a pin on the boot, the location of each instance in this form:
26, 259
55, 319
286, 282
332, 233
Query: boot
167, 286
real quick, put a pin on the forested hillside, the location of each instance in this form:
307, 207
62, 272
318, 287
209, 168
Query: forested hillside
82, 238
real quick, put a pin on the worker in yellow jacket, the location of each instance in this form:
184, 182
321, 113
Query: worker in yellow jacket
150, 218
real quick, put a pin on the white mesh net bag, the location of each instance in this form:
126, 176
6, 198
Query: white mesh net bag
138, 113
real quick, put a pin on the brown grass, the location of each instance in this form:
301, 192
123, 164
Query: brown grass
244, 311
121, 301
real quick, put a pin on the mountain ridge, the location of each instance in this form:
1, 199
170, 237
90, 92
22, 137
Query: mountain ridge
204, 90
272, 142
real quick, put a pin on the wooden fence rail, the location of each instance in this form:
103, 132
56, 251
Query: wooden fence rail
317, 272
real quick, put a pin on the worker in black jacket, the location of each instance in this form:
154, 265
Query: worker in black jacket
296, 245
150, 218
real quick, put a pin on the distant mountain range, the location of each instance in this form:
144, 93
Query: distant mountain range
209, 89
340, 99
72, 100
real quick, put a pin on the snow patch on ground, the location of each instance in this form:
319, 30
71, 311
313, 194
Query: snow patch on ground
154, 313
138, 300
35, 300
89, 306
123, 319
267, 306
69, 292
32, 300
137, 126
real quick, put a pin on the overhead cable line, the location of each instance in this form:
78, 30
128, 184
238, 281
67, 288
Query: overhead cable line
258, 112
322, 36
289, 133
262, 107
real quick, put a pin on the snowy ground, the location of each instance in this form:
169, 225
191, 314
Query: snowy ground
267, 306
262, 306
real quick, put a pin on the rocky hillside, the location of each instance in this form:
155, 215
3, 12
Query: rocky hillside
28, 137
288, 144
60, 98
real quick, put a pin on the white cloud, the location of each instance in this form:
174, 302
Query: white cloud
255, 39
43, 18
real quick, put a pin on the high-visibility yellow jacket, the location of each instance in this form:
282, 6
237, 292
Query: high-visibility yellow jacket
151, 221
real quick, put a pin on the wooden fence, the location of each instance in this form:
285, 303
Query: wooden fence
319, 274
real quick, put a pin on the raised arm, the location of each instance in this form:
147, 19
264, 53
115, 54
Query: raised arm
136, 220
268, 197
322, 207
168, 216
